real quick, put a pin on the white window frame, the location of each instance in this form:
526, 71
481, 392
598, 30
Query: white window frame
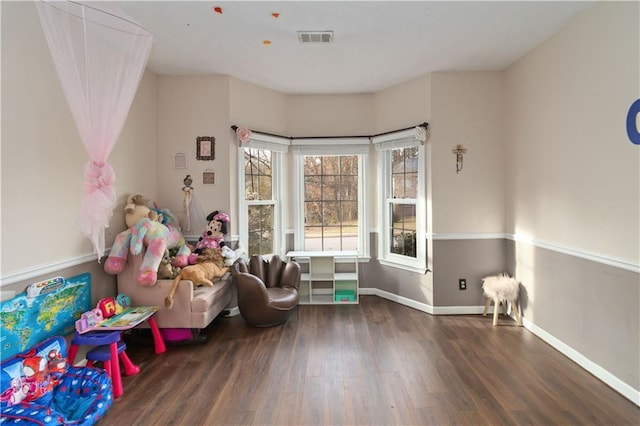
278, 147
331, 147
384, 145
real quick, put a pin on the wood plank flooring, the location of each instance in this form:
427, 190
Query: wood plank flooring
375, 363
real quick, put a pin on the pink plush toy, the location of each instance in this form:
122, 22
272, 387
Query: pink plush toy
157, 238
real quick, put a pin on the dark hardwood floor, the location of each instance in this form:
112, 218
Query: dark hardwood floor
375, 363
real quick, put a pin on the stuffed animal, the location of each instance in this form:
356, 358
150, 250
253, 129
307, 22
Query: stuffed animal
137, 208
166, 270
156, 237
210, 266
213, 237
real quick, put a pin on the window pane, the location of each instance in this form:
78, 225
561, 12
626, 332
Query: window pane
313, 238
397, 160
331, 206
411, 159
313, 213
403, 229
411, 185
330, 187
264, 188
312, 165
397, 185
349, 212
331, 213
331, 242
350, 237
312, 188
257, 174
349, 165
260, 221
349, 188
404, 169
330, 165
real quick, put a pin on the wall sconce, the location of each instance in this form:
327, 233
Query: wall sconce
458, 152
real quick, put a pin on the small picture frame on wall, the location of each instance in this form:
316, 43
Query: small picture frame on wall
180, 161
205, 148
208, 178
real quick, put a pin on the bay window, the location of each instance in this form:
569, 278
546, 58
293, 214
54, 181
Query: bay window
260, 162
329, 194
402, 218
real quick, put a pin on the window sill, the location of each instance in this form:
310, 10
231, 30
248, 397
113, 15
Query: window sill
410, 268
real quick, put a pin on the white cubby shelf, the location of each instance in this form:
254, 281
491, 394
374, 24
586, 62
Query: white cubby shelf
327, 277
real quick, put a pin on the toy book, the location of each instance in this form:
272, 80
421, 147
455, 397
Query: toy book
127, 319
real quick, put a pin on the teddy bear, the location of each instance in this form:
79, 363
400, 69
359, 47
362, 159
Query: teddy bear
166, 269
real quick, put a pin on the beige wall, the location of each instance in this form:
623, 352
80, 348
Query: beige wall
404, 105
189, 107
573, 173
329, 115
261, 109
43, 158
573, 186
467, 109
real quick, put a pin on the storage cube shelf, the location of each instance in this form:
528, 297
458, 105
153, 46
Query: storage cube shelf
327, 276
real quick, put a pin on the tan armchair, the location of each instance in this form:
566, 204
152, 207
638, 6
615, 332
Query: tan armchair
267, 290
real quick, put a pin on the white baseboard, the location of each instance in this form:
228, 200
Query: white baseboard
398, 299
460, 310
609, 379
618, 385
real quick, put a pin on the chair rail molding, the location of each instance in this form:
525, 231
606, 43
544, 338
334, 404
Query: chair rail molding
617, 262
48, 268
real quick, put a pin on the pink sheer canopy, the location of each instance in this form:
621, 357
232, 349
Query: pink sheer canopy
100, 54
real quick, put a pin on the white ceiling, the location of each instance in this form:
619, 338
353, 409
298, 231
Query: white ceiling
377, 44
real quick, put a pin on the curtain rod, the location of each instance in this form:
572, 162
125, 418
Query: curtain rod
425, 125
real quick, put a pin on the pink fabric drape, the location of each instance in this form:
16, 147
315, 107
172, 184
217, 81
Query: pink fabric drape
99, 54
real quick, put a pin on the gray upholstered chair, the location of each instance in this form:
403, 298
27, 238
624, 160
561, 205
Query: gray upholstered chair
267, 289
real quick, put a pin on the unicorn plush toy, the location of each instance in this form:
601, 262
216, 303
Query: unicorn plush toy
157, 238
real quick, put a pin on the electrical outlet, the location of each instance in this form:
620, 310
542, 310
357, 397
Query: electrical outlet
462, 283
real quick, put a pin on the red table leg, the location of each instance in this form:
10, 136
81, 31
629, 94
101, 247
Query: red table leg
130, 369
115, 371
158, 341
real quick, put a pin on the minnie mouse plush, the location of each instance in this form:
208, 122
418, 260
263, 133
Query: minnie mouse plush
213, 236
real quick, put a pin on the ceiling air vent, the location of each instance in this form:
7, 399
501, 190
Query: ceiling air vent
315, 37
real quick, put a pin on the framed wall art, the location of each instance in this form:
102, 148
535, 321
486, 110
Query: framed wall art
208, 177
205, 148
180, 161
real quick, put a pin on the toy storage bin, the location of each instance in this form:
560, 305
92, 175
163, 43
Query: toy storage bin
345, 296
